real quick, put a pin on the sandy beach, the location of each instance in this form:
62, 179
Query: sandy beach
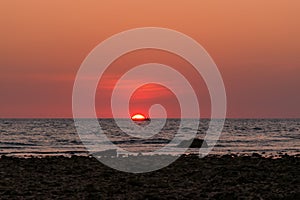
226, 177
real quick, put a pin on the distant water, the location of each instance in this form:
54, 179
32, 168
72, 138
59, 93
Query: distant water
40, 137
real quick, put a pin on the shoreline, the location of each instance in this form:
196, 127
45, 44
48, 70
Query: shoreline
68, 154
189, 177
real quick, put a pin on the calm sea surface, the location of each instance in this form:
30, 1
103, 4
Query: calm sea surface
40, 137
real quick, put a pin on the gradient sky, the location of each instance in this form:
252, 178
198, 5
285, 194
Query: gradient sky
255, 44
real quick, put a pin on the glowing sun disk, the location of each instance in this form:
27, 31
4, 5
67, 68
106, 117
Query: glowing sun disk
138, 117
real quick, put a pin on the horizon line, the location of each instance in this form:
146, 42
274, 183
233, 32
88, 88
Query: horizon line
151, 118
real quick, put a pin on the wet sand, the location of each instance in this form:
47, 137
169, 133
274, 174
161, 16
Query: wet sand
226, 177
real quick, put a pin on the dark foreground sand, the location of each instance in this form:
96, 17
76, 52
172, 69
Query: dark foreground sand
188, 178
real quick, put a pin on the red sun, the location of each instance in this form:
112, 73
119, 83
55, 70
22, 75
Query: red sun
138, 117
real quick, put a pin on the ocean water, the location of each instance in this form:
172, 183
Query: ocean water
47, 137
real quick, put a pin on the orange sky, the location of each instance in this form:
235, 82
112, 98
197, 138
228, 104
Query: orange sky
254, 43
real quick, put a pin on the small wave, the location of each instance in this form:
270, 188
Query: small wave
137, 141
16, 144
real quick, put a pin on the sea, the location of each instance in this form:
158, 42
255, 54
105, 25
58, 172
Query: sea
59, 137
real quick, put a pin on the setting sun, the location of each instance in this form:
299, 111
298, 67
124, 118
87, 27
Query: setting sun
138, 117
